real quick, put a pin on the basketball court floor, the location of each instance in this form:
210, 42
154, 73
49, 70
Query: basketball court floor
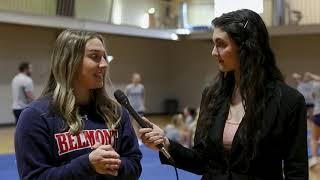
152, 169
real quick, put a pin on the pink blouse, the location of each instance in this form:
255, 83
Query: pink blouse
230, 130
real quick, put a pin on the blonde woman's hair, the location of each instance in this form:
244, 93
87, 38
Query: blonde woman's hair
178, 121
66, 59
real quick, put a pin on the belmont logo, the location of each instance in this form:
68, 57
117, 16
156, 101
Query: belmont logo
68, 143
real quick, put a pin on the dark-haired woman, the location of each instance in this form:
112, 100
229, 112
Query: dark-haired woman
251, 125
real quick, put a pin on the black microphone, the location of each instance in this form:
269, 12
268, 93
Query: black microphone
123, 100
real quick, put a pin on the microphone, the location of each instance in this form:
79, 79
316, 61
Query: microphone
123, 100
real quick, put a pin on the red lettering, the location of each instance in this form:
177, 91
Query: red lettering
62, 143
72, 145
89, 135
67, 142
107, 136
81, 141
114, 136
100, 137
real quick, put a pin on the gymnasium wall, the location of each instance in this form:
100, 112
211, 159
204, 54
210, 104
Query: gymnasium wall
169, 69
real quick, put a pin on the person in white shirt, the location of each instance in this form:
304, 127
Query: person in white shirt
22, 89
135, 93
304, 84
314, 81
189, 114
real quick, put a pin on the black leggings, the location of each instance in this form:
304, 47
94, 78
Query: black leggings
16, 113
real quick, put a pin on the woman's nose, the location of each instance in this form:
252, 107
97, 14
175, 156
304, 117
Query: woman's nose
103, 63
214, 52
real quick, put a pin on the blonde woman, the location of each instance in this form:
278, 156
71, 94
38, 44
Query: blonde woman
74, 130
175, 129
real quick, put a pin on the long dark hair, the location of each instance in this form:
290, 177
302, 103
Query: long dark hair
257, 69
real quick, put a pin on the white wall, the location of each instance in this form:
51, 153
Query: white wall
169, 69
309, 9
130, 12
21, 44
192, 68
99, 10
200, 12
150, 58
297, 54
43, 7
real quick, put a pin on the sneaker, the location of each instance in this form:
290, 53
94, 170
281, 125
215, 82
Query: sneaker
313, 161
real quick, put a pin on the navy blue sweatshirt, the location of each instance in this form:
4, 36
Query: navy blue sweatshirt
44, 150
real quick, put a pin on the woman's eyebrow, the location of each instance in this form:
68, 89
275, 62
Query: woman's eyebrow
96, 50
217, 40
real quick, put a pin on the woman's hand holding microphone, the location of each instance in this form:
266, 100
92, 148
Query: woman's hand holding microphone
152, 137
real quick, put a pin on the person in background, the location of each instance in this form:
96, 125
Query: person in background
315, 125
135, 92
136, 95
193, 126
252, 125
189, 114
173, 129
22, 89
75, 130
305, 86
